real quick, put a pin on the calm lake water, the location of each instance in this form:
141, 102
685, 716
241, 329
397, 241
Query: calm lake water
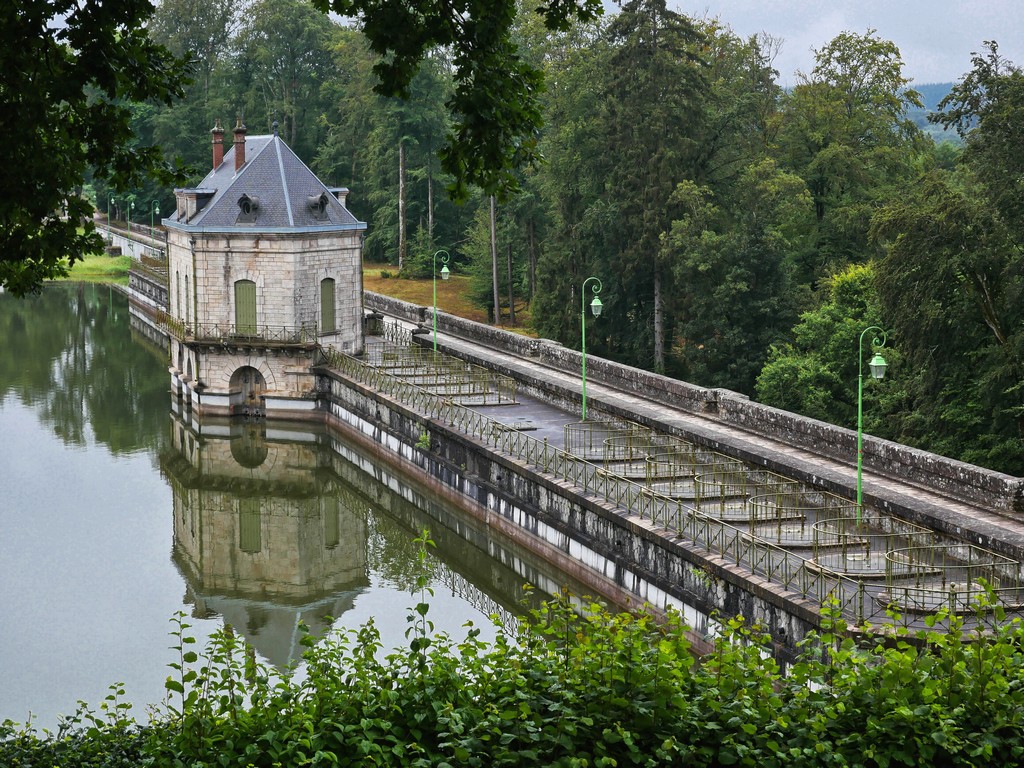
116, 513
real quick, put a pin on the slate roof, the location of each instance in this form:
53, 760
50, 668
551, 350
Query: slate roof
281, 182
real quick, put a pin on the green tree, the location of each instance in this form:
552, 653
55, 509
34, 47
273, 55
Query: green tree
986, 108
631, 151
283, 58
68, 70
510, 244
400, 160
573, 68
952, 279
197, 30
816, 374
846, 133
495, 103
952, 282
734, 268
202, 32
741, 108
351, 105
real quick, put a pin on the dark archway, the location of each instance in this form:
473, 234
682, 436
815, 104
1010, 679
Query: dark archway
248, 389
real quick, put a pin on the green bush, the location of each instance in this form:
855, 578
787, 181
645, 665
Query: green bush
575, 686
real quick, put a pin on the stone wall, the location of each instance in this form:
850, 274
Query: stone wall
147, 290
287, 270
970, 483
136, 245
339, 258
396, 308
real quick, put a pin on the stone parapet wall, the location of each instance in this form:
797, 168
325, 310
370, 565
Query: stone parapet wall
403, 310
133, 244
968, 482
673, 392
148, 290
973, 484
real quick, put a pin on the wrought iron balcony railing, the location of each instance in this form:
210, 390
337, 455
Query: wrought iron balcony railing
226, 333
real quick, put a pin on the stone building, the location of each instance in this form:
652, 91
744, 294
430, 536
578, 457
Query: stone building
264, 268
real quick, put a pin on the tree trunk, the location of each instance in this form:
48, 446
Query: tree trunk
293, 111
659, 324
532, 239
494, 261
401, 205
511, 297
430, 203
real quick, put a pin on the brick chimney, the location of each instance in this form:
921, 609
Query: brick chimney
218, 145
239, 144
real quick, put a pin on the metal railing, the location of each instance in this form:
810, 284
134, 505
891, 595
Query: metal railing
858, 545
962, 578
587, 438
446, 376
226, 333
860, 600
396, 333
784, 568
785, 512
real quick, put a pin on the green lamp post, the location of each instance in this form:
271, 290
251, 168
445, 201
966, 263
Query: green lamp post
154, 209
877, 367
595, 306
444, 276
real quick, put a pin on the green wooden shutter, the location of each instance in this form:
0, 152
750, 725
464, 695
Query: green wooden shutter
250, 538
327, 321
245, 307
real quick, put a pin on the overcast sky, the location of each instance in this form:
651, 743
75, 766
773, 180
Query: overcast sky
935, 37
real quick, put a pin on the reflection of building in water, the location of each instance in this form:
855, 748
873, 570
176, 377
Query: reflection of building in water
260, 532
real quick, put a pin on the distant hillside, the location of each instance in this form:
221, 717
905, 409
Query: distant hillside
931, 95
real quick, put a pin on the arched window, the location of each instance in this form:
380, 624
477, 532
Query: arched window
245, 307
327, 318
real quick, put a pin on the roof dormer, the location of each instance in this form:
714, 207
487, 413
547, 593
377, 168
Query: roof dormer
191, 201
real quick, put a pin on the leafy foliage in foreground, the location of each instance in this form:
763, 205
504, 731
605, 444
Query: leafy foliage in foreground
68, 70
570, 690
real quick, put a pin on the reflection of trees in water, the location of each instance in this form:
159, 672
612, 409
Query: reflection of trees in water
68, 353
394, 554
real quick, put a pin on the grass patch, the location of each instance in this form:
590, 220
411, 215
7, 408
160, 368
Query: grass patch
452, 295
100, 268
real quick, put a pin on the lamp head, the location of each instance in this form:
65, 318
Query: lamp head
445, 272
877, 366
596, 306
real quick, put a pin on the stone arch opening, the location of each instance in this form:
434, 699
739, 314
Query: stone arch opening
248, 390
249, 447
